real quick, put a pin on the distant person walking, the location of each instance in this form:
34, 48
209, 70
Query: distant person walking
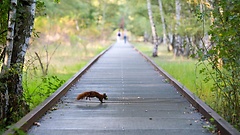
125, 36
118, 36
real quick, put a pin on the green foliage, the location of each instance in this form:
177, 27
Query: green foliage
1, 130
138, 20
47, 86
190, 24
50, 84
4, 4
40, 8
19, 132
87, 13
224, 59
57, 1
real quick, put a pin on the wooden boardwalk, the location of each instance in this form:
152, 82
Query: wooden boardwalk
140, 102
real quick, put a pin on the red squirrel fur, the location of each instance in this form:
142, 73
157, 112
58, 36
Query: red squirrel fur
91, 94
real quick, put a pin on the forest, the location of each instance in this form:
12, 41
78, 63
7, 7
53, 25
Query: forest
37, 35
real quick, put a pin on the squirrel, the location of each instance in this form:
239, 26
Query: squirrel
90, 94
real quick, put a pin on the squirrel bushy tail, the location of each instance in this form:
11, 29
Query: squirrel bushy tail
82, 95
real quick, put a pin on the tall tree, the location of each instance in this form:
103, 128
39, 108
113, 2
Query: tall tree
177, 44
20, 26
163, 22
7, 51
154, 32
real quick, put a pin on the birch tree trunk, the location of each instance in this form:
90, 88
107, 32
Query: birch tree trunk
10, 34
206, 37
7, 60
163, 22
15, 106
177, 45
23, 32
154, 32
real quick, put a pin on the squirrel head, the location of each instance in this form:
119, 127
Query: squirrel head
105, 96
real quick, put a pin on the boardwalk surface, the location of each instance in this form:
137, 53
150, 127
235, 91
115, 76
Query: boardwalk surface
140, 102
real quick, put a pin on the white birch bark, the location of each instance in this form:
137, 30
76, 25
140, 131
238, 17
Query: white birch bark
10, 34
23, 46
8, 56
20, 25
178, 17
178, 12
163, 22
154, 32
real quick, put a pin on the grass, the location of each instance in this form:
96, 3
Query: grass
185, 70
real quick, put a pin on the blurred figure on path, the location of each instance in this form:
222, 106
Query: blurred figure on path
118, 36
125, 36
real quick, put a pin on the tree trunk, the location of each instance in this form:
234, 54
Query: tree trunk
177, 45
10, 34
154, 32
163, 22
206, 37
7, 61
15, 106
